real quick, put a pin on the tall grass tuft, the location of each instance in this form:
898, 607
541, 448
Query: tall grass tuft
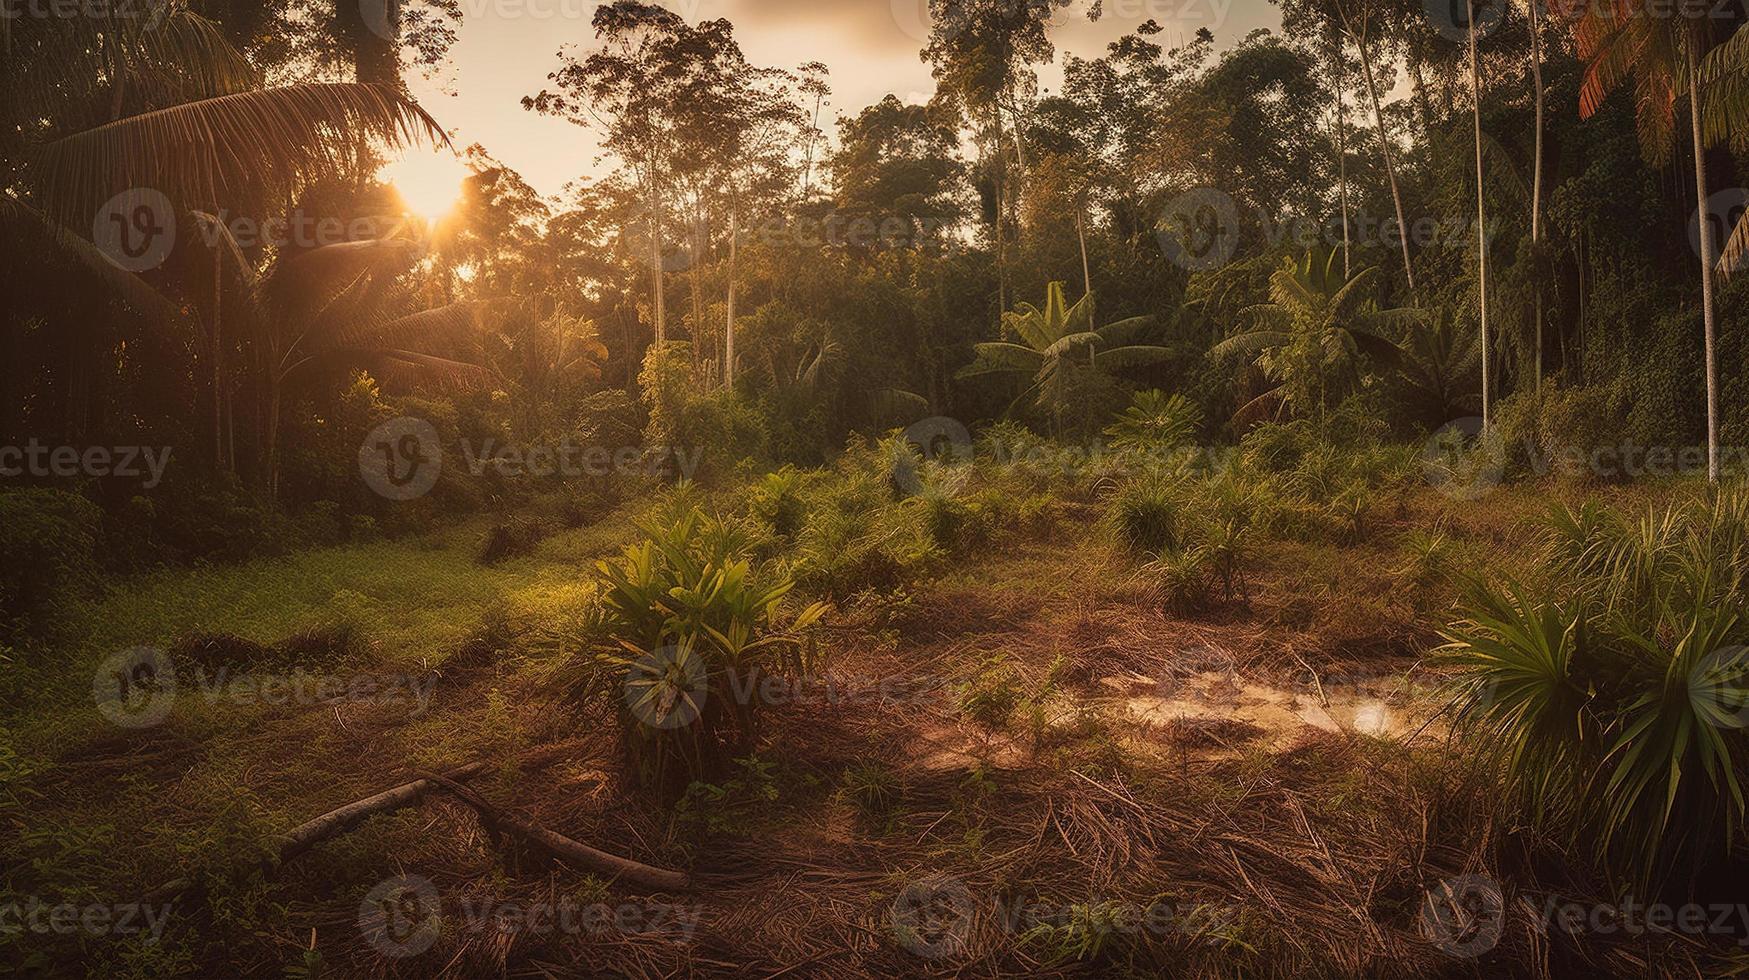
1616, 687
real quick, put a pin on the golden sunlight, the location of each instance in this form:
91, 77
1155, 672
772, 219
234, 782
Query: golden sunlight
429, 182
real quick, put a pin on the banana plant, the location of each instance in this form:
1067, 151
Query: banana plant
1050, 339
1315, 336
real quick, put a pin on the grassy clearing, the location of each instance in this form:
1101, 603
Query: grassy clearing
978, 737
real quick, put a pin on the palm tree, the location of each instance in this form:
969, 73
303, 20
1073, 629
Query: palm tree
111, 101
334, 306
1314, 336
1661, 51
1052, 338
1539, 98
1481, 217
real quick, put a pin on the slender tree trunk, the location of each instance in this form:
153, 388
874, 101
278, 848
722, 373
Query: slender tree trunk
274, 384
729, 325
1081, 233
1001, 251
1372, 92
657, 303
808, 173
693, 249
218, 359
1536, 182
1706, 264
1342, 160
1481, 225
11, 376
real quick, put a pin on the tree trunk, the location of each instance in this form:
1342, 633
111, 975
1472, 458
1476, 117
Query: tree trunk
1706, 265
1536, 182
1378, 112
729, 324
808, 173
659, 328
12, 377
375, 43
1342, 161
1081, 233
1481, 225
218, 359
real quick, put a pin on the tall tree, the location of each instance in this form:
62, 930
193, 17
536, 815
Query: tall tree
1661, 51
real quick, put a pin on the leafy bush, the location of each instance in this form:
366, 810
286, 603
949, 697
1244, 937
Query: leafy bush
683, 633
1181, 579
777, 501
1616, 689
1145, 515
50, 539
1154, 425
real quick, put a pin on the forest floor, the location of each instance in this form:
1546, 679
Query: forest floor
1023, 767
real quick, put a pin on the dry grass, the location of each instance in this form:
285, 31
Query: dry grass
1309, 859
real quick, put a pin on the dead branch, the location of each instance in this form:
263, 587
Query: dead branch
564, 848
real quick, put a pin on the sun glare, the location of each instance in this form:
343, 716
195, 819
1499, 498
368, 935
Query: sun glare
430, 183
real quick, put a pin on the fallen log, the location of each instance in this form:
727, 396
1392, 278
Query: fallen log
307, 835
564, 848
302, 838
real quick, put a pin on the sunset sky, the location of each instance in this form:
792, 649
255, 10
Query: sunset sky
507, 47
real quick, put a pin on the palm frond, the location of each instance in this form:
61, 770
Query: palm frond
230, 148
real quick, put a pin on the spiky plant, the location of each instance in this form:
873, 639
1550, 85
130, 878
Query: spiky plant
1617, 693
1155, 424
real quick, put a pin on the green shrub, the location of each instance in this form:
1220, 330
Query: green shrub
1615, 690
777, 500
1181, 580
1155, 425
49, 539
1576, 423
991, 697
684, 630
1145, 515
